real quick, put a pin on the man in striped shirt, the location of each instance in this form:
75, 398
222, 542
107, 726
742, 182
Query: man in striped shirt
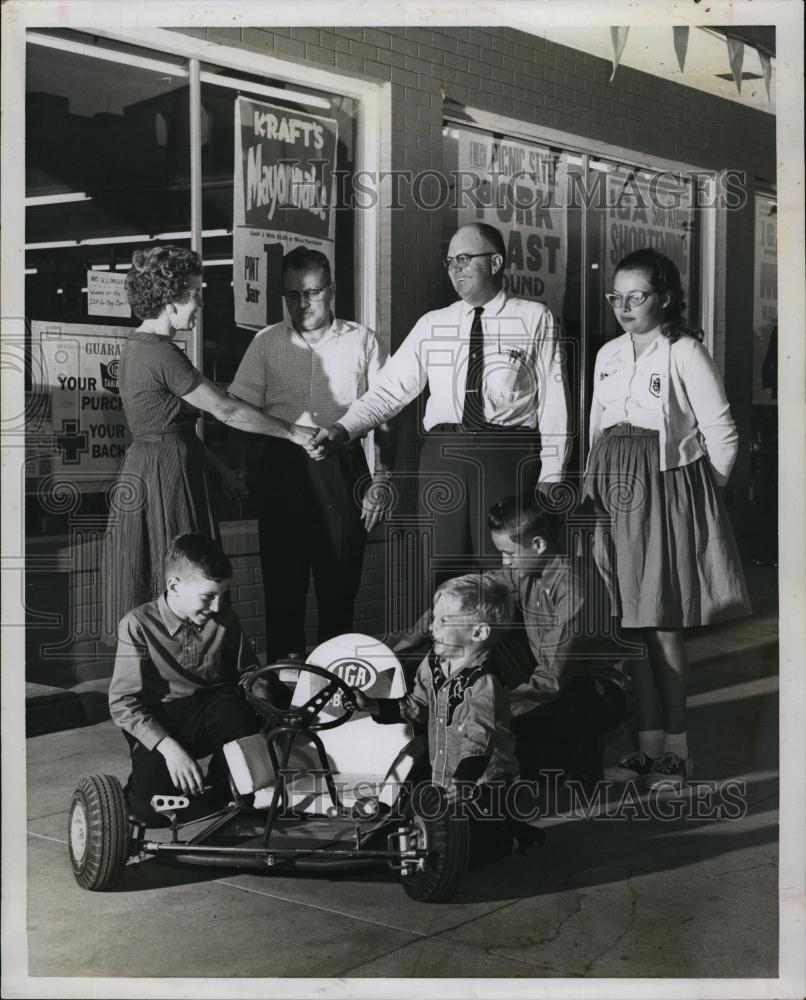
313, 516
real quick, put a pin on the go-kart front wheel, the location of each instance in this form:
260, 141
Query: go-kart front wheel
447, 840
98, 833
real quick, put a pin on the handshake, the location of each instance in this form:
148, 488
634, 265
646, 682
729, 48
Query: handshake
319, 442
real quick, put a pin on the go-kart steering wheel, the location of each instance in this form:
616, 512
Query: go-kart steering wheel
300, 715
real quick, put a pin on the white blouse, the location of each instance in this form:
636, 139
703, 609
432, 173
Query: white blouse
681, 379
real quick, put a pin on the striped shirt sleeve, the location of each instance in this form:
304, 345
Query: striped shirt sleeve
249, 383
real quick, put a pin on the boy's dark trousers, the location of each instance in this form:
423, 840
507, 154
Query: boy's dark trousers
566, 734
201, 724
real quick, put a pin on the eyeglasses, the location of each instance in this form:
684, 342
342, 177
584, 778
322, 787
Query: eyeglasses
629, 301
463, 259
311, 294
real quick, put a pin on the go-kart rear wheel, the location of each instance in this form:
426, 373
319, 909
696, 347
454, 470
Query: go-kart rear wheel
98, 833
447, 840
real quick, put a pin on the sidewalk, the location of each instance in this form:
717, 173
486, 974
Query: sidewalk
630, 897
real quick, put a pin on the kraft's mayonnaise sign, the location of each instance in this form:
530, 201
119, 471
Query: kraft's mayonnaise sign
283, 196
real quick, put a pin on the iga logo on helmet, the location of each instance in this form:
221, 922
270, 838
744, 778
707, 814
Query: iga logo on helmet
355, 673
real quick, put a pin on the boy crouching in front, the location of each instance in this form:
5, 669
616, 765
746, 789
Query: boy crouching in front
464, 705
175, 687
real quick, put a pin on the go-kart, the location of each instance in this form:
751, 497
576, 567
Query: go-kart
321, 787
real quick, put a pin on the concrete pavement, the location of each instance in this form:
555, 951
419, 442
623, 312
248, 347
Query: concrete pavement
634, 896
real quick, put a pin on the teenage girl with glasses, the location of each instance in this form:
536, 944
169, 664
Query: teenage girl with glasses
662, 442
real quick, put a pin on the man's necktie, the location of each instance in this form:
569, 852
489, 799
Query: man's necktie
473, 410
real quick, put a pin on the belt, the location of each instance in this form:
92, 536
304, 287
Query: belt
481, 429
186, 435
625, 428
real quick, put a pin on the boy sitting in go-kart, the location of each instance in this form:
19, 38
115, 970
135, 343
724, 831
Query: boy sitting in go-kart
464, 705
175, 690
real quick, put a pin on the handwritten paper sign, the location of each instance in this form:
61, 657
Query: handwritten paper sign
106, 294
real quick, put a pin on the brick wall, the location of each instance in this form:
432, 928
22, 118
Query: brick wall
64, 640
509, 73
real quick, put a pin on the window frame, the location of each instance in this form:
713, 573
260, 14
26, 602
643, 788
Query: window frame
710, 273
372, 225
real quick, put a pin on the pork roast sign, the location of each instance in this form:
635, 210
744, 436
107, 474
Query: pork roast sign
284, 190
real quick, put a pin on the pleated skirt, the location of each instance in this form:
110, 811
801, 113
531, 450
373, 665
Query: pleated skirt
663, 543
161, 491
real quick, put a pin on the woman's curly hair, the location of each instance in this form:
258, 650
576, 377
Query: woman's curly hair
159, 276
663, 275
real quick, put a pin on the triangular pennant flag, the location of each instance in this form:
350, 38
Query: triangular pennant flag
736, 57
618, 38
766, 66
680, 45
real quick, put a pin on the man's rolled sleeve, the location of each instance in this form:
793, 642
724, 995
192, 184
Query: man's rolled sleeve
127, 688
249, 383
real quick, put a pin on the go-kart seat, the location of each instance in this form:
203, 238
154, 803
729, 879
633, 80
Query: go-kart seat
368, 760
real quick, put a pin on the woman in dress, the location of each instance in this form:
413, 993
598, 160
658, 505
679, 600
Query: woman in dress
162, 489
662, 442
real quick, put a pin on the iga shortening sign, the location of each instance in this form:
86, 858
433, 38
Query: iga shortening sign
285, 165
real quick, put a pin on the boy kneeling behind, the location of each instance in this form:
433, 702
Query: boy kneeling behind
176, 686
464, 705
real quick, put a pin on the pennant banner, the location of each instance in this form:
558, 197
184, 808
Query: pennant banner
766, 66
680, 45
736, 57
618, 39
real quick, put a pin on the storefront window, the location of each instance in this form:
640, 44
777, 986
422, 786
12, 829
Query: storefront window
108, 171
761, 535
632, 208
568, 218
230, 260
765, 302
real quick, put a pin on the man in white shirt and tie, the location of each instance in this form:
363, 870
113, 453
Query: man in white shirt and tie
497, 415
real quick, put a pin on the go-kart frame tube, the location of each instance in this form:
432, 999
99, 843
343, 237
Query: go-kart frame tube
293, 731
255, 857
